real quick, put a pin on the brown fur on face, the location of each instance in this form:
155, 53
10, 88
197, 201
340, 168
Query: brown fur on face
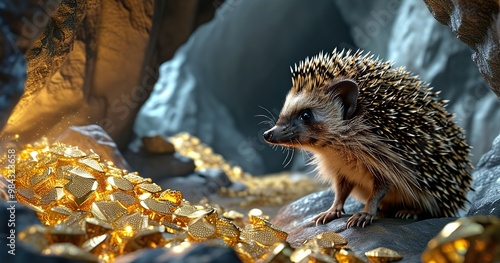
376, 133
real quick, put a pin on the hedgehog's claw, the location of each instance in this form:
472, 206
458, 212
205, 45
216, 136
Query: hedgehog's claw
407, 214
327, 216
360, 219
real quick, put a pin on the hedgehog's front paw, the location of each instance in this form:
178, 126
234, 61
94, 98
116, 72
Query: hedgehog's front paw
327, 216
360, 219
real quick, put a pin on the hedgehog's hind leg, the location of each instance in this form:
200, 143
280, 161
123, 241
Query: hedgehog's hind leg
366, 216
342, 189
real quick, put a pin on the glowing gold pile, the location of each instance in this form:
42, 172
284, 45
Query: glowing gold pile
96, 211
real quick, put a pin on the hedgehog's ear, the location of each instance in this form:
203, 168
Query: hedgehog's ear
347, 90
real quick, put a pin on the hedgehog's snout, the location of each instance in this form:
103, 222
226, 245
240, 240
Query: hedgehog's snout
269, 134
279, 134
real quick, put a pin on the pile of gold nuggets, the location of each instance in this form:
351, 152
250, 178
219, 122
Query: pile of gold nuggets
92, 210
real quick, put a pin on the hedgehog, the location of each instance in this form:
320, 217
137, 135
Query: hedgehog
376, 133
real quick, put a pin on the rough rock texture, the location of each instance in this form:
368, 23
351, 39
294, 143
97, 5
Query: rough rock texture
486, 182
197, 253
92, 62
212, 88
476, 24
370, 23
160, 166
198, 184
429, 49
16, 36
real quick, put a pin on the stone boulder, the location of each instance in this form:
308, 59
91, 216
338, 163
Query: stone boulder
476, 24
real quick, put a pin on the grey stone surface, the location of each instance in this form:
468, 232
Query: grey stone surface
159, 166
197, 253
485, 200
409, 237
199, 184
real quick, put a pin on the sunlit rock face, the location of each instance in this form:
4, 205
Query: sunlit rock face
88, 62
81, 69
15, 38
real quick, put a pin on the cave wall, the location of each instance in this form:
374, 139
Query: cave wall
90, 62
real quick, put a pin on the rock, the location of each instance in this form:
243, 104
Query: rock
428, 49
217, 176
199, 184
95, 138
158, 145
193, 187
196, 253
88, 62
160, 166
16, 35
476, 24
408, 237
196, 89
485, 199
303, 210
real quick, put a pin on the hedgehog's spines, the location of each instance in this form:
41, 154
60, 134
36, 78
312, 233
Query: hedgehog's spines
403, 110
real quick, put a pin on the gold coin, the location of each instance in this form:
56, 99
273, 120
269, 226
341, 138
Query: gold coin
383, 255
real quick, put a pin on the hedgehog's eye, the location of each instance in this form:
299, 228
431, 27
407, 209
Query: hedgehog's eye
306, 115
